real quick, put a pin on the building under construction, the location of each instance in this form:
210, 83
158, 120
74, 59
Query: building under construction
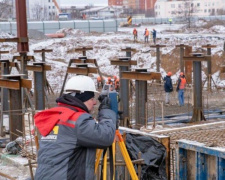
162, 142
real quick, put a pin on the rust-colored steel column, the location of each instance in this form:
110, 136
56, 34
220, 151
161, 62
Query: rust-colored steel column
21, 19
188, 65
209, 64
182, 47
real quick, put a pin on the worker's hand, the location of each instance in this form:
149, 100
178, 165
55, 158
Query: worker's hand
101, 97
105, 103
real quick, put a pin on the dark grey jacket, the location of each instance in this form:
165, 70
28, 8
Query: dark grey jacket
69, 150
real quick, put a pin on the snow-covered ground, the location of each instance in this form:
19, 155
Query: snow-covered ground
107, 46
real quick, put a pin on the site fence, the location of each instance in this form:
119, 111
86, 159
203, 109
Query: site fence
108, 25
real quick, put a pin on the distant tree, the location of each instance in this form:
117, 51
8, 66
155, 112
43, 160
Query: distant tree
39, 12
187, 10
221, 12
5, 9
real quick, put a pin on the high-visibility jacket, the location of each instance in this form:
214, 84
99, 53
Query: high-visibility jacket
109, 82
134, 32
117, 83
182, 82
70, 136
99, 79
146, 33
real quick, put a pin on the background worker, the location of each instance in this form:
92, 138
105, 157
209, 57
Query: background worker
99, 82
154, 36
168, 87
180, 88
70, 135
146, 34
116, 83
135, 33
109, 81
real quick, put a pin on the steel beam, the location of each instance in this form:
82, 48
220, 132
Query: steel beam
188, 65
15, 99
182, 47
43, 51
158, 60
84, 49
140, 100
197, 110
209, 64
21, 18
197, 58
39, 84
4, 95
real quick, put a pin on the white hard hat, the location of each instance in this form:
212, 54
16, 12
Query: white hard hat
81, 84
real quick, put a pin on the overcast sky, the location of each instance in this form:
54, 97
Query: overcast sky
84, 2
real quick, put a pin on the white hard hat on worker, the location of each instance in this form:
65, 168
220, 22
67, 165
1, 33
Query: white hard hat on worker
80, 84
83, 88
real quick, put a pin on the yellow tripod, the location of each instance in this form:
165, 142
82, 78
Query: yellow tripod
124, 153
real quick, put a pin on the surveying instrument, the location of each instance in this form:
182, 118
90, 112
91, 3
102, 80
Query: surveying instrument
108, 90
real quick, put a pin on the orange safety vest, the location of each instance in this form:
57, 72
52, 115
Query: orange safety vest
134, 32
117, 83
182, 83
99, 79
109, 82
146, 33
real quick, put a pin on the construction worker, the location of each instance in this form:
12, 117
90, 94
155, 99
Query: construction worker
154, 36
99, 82
180, 88
70, 135
109, 81
168, 86
135, 33
116, 83
146, 34
170, 21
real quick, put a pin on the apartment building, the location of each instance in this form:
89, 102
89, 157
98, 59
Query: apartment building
179, 8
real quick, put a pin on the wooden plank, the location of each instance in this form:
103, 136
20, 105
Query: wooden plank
25, 83
166, 143
43, 50
141, 75
93, 61
128, 49
123, 63
192, 58
209, 46
37, 68
84, 49
82, 71
10, 84
4, 52
157, 45
222, 69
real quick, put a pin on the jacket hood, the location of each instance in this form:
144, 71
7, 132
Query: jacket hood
72, 101
47, 119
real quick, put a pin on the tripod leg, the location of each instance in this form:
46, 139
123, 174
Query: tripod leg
126, 157
98, 155
105, 167
114, 159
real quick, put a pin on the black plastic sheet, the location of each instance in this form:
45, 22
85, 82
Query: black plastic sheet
152, 152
